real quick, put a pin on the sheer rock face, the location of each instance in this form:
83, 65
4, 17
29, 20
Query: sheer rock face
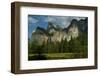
73, 32
56, 34
39, 36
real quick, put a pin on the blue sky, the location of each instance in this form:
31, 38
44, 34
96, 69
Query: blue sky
42, 21
35, 21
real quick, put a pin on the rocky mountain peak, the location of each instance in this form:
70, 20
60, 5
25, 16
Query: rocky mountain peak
54, 34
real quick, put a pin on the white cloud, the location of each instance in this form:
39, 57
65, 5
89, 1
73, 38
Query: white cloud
62, 21
32, 20
79, 18
50, 19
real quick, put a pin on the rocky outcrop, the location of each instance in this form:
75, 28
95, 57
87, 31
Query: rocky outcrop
56, 34
39, 36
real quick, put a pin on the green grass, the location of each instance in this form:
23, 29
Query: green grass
50, 56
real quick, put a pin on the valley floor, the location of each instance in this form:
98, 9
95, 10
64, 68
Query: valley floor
53, 56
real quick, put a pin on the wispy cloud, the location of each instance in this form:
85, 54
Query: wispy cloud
32, 20
50, 19
62, 21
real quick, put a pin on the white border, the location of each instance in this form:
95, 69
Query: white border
25, 64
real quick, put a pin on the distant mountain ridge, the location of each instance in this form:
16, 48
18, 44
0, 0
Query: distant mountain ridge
54, 33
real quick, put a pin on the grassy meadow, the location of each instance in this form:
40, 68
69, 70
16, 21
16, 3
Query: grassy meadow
74, 49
